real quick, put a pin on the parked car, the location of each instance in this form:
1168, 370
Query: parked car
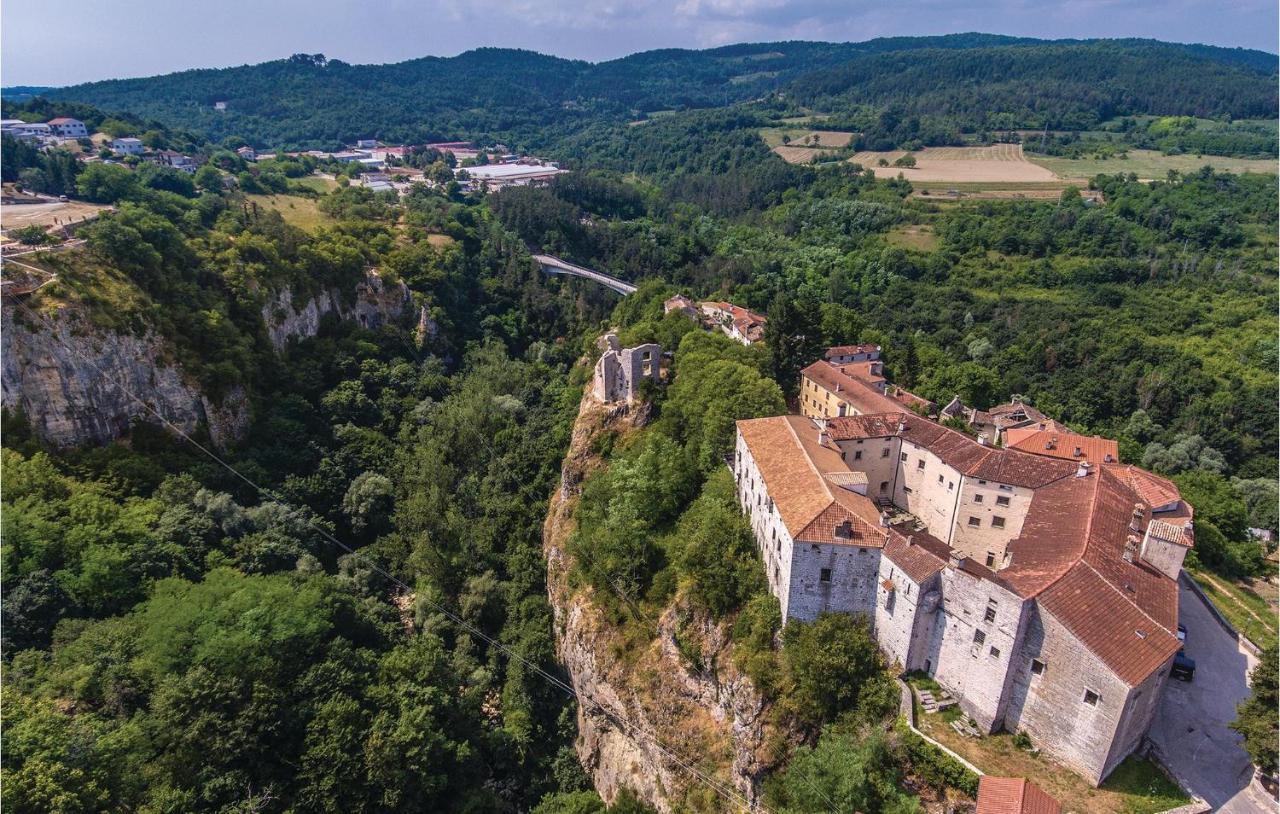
1184, 667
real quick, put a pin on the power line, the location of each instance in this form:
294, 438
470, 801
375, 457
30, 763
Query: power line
722, 789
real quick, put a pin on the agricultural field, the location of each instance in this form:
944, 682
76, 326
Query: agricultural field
1149, 164
802, 145
1000, 163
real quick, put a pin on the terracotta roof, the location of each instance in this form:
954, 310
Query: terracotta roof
1157, 492
63, 120
867, 371
850, 350
1013, 795
861, 396
911, 400
1040, 439
914, 559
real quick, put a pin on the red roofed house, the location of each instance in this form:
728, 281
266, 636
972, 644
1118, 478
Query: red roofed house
1040, 592
736, 322
1013, 795
64, 127
1042, 439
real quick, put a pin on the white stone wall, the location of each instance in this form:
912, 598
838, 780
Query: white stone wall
1050, 707
1135, 720
975, 672
772, 537
901, 626
850, 587
878, 459
980, 500
930, 493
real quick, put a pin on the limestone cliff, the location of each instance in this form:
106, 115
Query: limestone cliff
73, 379
73, 382
376, 303
644, 708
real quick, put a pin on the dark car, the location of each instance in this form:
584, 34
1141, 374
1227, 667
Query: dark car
1184, 667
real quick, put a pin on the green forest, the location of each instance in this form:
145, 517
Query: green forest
361, 622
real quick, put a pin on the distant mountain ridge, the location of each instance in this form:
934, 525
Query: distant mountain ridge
527, 98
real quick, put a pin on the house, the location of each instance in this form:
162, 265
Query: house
64, 127
849, 380
247, 153
1040, 592
126, 146
220, 106
734, 321
1013, 795
28, 131
619, 371
376, 181
1041, 439
992, 424
175, 159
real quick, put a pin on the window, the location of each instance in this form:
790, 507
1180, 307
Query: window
1005, 488
1037, 667
857, 455
997, 522
903, 457
920, 464
884, 453
984, 483
977, 498
1091, 698
906, 489
939, 479
973, 521
824, 575
979, 637
951, 485
990, 615
991, 561
1001, 500
884, 486
995, 652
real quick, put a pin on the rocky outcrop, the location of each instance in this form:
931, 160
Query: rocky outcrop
651, 717
78, 384
376, 303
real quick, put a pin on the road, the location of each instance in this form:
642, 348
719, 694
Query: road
1190, 730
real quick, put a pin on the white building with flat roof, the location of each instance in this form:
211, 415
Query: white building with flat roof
127, 146
496, 176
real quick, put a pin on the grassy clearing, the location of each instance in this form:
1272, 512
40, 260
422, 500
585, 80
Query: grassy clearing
106, 296
801, 137
921, 238
440, 241
301, 212
1137, 786
317, 183
1251, 609
1149, 164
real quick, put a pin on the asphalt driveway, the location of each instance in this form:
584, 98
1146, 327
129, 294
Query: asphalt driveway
1190, 730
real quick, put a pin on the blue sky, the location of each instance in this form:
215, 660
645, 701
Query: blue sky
57, 42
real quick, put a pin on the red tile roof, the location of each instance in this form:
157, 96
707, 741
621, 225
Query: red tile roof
915, 560
861, 396
911, 400
1040, 439
1013, 795
850, 350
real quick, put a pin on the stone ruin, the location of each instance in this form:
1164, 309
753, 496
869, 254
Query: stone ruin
620, 370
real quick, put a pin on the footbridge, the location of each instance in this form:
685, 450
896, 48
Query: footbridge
554, 265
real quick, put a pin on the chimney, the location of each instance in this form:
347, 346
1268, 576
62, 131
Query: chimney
982, 440
884, 519
902, 425
1135, 521
957, 560
1083, 469
911, 539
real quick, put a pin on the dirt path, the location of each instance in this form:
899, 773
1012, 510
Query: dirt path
1227, 594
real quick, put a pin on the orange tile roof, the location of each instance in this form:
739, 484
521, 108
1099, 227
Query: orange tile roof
861, 396
911, 400
1040, 439
1013, 795
913, 559
850, 350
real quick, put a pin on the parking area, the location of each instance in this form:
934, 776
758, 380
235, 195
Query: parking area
1190, 730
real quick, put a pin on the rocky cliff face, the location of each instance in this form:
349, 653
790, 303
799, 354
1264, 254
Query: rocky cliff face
376, 303
74, 381
79, 385
647, 713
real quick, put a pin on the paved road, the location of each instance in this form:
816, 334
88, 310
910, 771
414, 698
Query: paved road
1190, 729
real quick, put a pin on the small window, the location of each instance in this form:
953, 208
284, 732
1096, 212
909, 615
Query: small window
991, 561
984, 483
990, 615
939, 479
979, 637
1005, 488
995, 652
1091, 698
884, 453
973, 521
824, 575
951, 485
920, 464
1037, 667
903, 457
977, 498
884, 486
907, 489
997, 522
1001, 500
857, 455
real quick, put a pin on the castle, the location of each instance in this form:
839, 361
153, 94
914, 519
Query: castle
1040, 591
620, 370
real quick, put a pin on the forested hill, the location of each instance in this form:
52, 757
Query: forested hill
532, 100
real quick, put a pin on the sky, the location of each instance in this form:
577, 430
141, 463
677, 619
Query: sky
62, 42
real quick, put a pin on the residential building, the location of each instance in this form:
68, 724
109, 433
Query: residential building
734, 321
619, 371
992, 424
1042, 593
682, 304
1013, 795
175, 159
64, 127
247, 153
126, 146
